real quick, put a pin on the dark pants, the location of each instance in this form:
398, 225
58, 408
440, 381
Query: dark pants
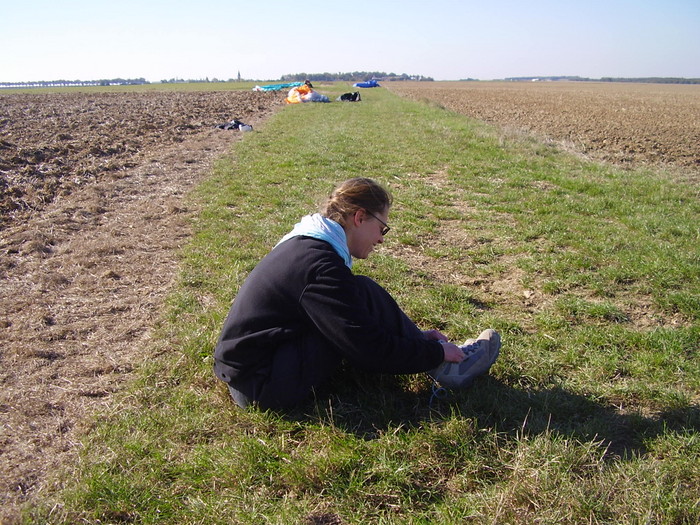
298, 367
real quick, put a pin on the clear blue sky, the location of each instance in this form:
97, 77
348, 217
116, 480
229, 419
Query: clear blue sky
264, 39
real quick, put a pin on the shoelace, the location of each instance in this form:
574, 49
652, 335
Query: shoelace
470, 348
438, 392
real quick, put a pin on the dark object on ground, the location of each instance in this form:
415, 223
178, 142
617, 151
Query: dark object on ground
350, 97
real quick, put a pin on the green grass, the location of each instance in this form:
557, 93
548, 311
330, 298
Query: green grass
592, 274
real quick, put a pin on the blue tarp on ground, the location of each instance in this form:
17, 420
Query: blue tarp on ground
368, 84
277, 87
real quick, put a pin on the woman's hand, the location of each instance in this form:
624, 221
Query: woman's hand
453, 353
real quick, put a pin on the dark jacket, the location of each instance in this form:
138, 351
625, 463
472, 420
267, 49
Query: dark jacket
303, 286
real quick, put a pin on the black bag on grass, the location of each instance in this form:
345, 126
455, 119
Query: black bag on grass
350, 97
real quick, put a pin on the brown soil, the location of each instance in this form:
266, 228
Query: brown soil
93, 212
626, 124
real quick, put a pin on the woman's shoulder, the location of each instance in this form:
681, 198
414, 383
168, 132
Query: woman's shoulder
303, 246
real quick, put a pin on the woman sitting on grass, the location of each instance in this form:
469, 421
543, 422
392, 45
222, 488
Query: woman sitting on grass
302, 311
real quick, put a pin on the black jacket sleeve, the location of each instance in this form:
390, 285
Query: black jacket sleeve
332, 303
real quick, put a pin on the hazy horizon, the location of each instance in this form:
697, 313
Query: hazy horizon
312, 74
446, 40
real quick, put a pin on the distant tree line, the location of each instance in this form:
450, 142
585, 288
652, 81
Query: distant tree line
72, 83
195, 81
356, 76
644, 80
654, 80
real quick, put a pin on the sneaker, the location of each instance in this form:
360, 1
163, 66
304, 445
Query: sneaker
494, 341
480, 354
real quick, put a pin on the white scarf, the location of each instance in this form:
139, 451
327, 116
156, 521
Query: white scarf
320, 227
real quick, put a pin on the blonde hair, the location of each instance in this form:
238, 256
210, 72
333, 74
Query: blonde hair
355, 194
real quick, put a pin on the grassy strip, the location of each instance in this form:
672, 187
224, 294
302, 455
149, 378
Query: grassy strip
591, 274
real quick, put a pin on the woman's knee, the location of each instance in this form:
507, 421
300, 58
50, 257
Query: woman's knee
371, 289
382, 305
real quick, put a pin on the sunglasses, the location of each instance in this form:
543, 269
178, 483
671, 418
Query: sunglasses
386, 228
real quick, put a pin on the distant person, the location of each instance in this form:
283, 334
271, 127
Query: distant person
301, 312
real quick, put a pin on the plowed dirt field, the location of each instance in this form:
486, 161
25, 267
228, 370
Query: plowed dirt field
91, 218
623, 123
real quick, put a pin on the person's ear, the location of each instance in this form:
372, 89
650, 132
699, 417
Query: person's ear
358, 217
